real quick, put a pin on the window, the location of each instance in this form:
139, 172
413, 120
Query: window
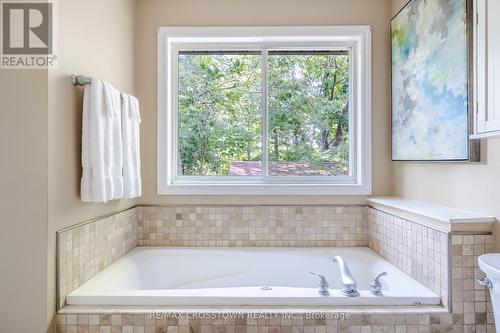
264, 111
219, 117
308, 113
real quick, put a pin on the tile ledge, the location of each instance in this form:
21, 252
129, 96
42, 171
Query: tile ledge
438, 217
87, 309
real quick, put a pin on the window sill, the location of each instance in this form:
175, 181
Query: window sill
264, 189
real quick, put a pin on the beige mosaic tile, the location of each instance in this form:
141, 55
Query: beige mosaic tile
269, 226
432, 257
419, 251
86, 250
285, 323
468, 297
422, 253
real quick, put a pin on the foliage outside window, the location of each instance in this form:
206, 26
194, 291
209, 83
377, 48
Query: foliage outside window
219, 111
220, 115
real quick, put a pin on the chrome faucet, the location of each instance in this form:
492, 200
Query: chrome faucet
485, 282
376, 286
349, 286
323, 285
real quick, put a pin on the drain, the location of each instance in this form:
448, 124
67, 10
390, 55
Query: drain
266, 288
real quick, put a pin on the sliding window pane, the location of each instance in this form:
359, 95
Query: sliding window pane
308, 94
219, 117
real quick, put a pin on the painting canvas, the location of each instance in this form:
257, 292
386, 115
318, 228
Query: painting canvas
430, 81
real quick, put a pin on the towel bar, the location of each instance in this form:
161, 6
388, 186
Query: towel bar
80, 80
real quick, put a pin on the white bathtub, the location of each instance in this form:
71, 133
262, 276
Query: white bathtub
237, 276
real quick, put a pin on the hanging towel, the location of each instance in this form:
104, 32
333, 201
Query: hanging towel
102, 153
86, 181
131, 149
113, 147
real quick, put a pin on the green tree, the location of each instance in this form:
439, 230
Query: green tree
308, 109
220, 110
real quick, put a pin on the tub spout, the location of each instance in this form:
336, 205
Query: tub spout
349, 286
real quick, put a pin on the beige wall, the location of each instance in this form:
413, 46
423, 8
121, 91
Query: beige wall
96, 38
151, 14
473, 187
23, 200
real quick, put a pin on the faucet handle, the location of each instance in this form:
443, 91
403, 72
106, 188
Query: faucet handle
378, 276
323, 280
485, 282
375, 285
323, 284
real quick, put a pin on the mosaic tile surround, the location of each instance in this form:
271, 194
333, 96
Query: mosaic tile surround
419, 251
354, 323
405, 244
266, 226
86, 250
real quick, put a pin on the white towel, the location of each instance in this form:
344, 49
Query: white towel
86, 181
131, 148
102, 154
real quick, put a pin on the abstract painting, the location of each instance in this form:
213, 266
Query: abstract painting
430, 96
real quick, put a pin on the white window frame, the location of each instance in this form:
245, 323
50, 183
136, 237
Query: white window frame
357, 39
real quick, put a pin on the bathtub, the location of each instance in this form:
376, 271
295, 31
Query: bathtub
245, 276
